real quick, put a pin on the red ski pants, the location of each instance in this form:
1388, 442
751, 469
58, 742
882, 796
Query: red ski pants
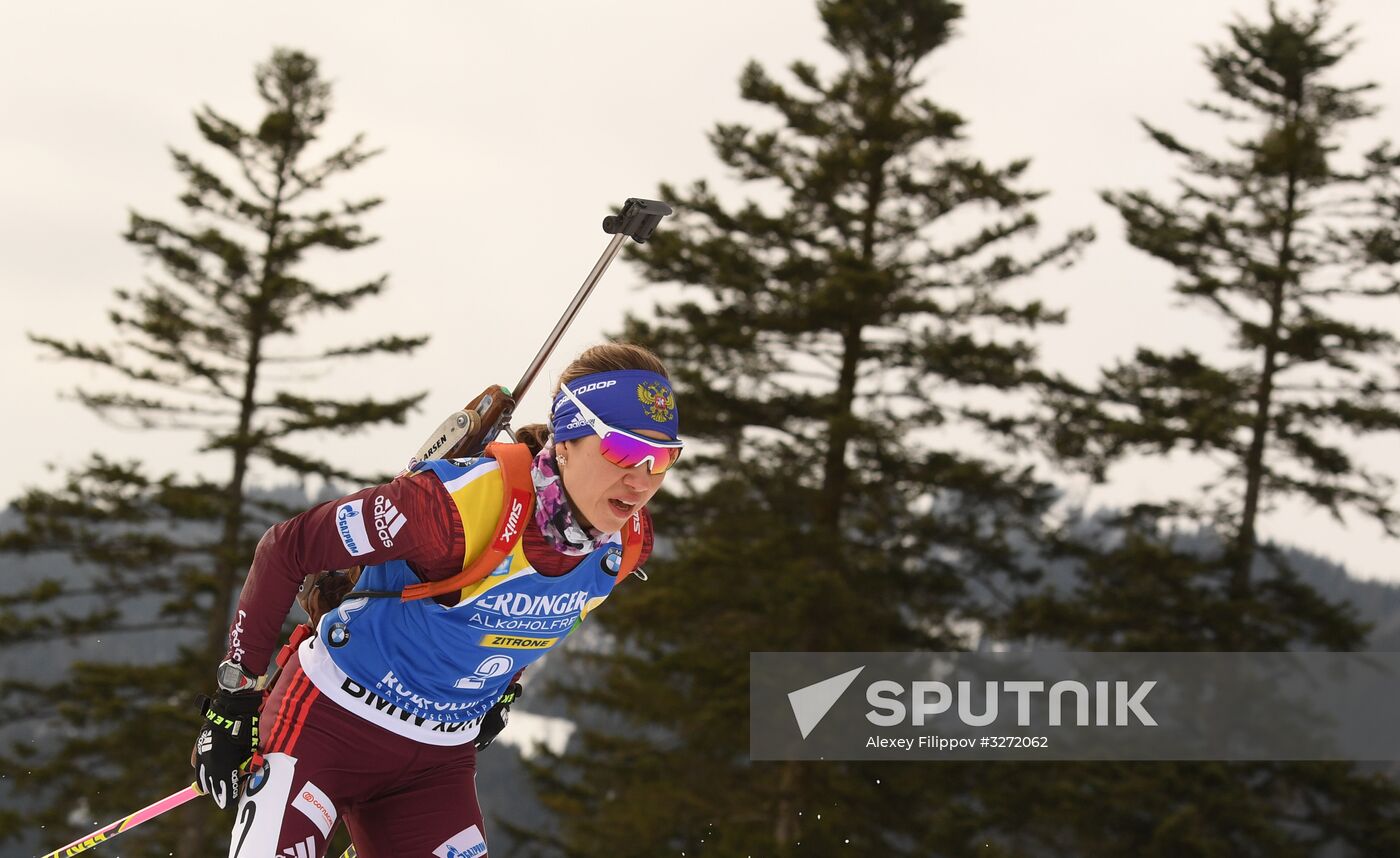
325, 764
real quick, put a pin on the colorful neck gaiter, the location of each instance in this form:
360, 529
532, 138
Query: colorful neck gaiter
553, 512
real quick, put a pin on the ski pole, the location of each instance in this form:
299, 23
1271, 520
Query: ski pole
637, 220
465, 433
107, 832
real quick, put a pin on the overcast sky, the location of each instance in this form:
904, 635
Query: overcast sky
510, 129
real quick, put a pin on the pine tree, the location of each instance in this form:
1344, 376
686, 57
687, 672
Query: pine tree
828, 350
1281, 239
199, 352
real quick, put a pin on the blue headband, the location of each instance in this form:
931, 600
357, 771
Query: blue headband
627, 399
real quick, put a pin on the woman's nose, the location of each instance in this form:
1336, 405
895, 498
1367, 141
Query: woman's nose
640, 480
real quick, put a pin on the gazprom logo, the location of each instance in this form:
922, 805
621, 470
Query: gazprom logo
350, 526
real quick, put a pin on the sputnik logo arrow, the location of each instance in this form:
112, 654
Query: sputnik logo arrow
810, 704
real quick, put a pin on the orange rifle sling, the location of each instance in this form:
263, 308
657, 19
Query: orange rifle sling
516, 508
632, 539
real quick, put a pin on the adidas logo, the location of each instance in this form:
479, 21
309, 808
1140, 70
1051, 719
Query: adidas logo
388, 521
304, 849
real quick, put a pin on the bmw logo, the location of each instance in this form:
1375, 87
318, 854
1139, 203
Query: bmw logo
259, 778
339, 635
612, 561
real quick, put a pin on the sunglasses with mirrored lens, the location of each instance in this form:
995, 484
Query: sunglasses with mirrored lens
624, 449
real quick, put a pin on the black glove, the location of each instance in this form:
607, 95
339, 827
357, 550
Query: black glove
495, 720
227, 741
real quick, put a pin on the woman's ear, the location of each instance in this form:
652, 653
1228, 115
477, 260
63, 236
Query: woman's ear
561, 453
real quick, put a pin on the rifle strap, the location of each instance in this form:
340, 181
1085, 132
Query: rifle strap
632, 539
519, 502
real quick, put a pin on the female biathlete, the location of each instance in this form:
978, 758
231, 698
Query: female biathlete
376, 718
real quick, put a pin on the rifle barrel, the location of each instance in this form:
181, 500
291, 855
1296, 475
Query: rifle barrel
518, 392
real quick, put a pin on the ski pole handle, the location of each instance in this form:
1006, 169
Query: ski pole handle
126, 823
465, 433
637, 220
609, 253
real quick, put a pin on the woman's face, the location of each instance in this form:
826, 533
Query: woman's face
604, 494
